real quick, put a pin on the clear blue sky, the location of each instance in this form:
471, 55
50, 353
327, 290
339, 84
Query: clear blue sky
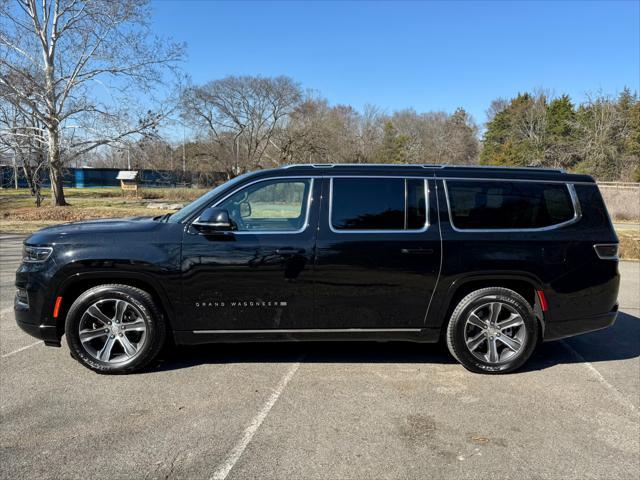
425, 55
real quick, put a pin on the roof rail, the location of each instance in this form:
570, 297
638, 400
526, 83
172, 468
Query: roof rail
408, 165
499, 167
332, 165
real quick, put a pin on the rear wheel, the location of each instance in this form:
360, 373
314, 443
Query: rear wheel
115, 329
492, 330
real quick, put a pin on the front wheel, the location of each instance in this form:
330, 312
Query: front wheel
115, 329
492, 330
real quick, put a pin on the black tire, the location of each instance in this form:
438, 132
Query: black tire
144, 305
455, 335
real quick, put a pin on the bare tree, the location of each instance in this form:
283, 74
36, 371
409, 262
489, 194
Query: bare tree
63, 49
303, 138
497, 105
601, 129
241, 116
438, 137
23, 135
318, 133
530, 123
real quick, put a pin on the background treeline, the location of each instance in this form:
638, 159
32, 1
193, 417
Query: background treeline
89, 83
600, 136
238, 124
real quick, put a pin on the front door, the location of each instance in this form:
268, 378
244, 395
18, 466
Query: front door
378, 253
259, 276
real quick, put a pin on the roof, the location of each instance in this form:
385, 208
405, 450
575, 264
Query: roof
127, 175
438, 171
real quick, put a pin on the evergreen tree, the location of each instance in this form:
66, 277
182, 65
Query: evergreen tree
561, 135
600, 137
560, 118
511, 136
394, 146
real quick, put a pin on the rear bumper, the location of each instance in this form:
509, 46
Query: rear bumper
569, 328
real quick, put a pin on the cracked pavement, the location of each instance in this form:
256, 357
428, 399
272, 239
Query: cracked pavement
350, 410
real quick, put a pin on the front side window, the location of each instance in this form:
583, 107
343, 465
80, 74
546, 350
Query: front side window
378, 204
508, 205
273, 205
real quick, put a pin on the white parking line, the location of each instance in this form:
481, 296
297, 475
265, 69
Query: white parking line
21, 349
223, 470
598, 376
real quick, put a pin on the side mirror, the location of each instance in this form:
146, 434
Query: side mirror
214, 219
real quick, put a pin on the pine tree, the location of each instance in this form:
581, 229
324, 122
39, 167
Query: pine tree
560, 118
394, 146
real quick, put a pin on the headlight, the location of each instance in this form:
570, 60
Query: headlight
35, 254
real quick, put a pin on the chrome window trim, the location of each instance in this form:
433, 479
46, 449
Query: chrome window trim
212, 224
314, 330
271, 232
533, 180
577, 211
401, 177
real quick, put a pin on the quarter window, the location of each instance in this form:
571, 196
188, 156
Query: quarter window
508, 205
378, 204
276, 205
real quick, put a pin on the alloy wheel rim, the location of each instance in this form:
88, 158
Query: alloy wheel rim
112, 330
495, 333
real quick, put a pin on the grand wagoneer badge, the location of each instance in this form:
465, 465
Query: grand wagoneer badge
240, 304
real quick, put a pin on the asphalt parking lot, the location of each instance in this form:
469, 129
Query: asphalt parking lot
323, 411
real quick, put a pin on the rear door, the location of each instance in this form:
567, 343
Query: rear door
378, 252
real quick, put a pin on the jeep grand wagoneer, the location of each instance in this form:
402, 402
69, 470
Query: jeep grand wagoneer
489, 260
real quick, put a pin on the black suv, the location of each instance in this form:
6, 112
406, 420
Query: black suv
489, 260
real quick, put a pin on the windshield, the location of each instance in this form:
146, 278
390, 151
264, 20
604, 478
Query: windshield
205, 199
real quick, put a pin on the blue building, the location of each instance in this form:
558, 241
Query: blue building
85, 177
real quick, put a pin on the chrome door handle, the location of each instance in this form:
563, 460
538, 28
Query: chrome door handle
416, 251
290, 251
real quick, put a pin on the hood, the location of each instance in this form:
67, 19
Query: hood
97, 230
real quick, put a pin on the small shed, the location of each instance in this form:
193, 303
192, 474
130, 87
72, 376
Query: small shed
128, 180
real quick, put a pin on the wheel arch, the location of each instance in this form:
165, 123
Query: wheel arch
524, 284
72, 287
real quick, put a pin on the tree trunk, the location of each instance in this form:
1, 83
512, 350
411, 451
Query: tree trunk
15, 171
55, 169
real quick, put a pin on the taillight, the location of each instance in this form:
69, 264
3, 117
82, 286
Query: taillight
607, 251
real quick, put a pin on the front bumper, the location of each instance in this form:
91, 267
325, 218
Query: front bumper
569, 328
30, 323
32, 303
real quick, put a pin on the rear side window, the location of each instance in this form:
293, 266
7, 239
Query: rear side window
508, 205
378, 204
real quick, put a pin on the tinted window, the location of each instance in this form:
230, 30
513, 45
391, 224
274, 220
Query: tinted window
512, 205
378, 204
276, 205
416, 214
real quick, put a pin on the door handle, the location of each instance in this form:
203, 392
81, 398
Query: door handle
416, 251
290, 251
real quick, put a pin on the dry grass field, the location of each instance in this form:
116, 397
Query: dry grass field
18, 213
623, 202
